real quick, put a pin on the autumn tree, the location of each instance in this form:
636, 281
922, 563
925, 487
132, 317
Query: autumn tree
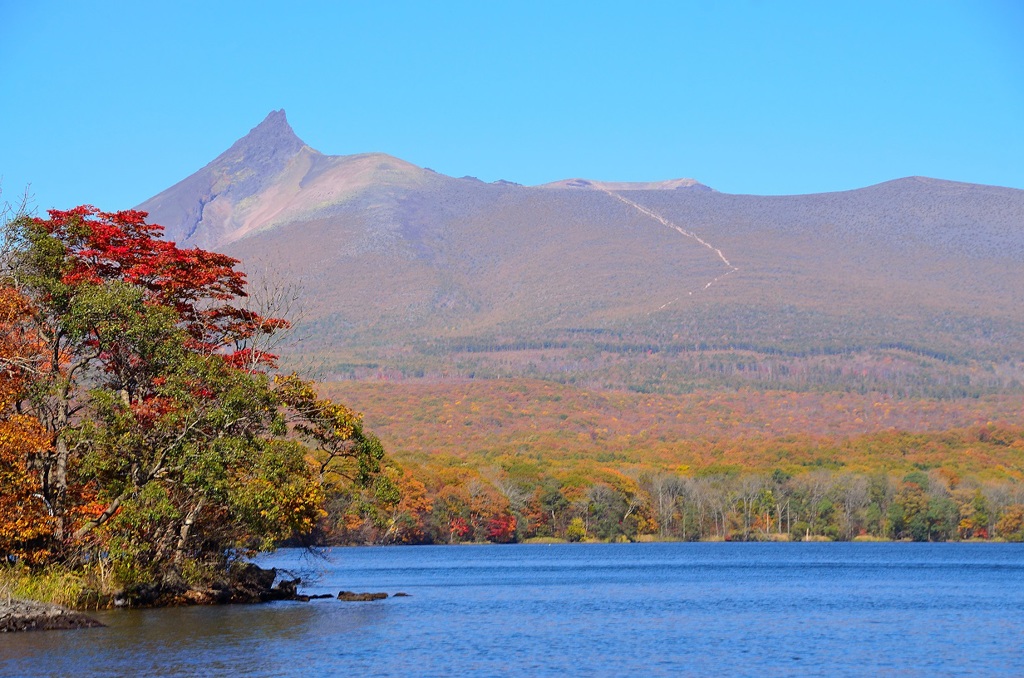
1011, 525
546, 509
167, 442
406, 519
973, 513
665, 490
25, 526
107, 296
341, 447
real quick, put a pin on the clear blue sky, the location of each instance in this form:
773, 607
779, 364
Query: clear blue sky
110, 103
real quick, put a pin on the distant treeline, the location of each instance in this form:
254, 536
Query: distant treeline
952, 485
626, 347
761, 356
886, 371
769, 347
822, 504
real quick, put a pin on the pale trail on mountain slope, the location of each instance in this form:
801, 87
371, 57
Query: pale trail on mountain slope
689, 234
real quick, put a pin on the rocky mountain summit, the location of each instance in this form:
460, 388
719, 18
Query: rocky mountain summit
269, 176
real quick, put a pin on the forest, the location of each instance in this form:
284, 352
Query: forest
715, 348
540, 455
874, 486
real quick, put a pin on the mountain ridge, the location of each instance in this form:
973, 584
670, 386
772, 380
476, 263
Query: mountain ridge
269, 149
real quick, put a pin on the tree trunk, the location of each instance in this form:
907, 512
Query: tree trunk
186, 527
59, 480
107, 514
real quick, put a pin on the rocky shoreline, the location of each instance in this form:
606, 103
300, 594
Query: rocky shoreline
250, 584
29, 615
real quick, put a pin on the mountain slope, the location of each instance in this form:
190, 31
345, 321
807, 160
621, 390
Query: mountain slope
909, 286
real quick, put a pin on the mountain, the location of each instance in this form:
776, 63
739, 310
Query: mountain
911, 286
269, 177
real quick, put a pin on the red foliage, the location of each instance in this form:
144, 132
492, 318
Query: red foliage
109, 246
502, 528
458, 528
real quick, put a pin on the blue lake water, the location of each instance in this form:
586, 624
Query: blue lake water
586, 609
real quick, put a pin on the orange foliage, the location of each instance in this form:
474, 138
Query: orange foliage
24, 521
408, 519
448, 428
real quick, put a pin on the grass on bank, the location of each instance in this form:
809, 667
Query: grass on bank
91, 588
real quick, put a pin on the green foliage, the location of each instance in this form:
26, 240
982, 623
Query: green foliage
918, 478
576, 531
344, 448
386, 492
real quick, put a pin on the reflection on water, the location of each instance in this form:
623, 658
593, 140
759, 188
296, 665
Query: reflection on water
659, 609
185, 641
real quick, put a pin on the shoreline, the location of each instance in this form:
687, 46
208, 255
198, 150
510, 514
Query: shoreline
814, 539
251, 584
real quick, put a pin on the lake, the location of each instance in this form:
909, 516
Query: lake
670, 609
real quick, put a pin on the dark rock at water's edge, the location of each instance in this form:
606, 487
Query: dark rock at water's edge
243, 583
303, 598
400, 594
352, 597
29, 615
